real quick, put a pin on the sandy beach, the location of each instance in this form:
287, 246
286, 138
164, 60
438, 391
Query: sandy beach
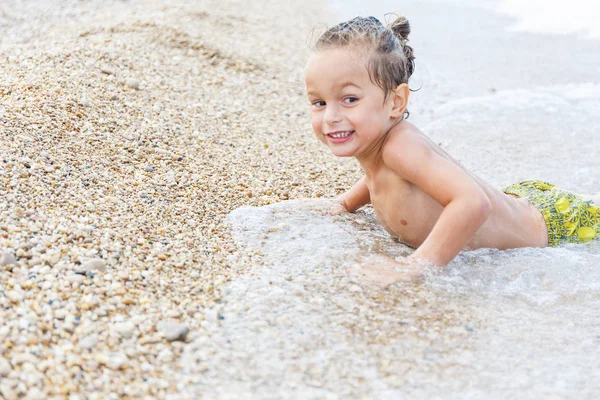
147, 152
128, 131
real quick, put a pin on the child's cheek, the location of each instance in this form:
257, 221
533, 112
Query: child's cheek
316, 124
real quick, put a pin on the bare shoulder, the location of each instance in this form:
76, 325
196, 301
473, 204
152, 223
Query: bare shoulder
405, 149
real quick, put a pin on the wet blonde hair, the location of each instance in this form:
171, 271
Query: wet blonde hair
391, 62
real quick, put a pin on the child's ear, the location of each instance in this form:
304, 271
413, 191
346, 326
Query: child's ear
400, 100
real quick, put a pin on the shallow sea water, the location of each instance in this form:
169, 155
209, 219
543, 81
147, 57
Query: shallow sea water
493, 324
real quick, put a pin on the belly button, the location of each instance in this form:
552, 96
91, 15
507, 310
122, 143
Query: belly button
403, 222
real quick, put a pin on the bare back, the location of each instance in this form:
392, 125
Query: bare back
409, 214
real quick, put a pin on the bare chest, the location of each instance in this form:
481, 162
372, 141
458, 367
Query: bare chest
405, 211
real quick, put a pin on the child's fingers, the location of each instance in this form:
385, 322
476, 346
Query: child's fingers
337, 209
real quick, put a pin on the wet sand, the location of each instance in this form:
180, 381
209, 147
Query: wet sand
129, 131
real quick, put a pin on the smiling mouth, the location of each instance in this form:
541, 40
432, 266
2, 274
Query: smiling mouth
339, 134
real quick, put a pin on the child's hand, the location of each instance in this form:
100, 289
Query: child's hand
338, 207
382, 271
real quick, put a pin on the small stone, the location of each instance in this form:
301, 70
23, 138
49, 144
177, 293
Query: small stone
96, 264
7, 259
76, 278
172, 331
7, 392
35, 394
116, 361
5, 367
28, 284
107, 70
149, 169
14, 296
355, 289
132, 83
124, 329
89, 342
166, 355
35, 261
54, 257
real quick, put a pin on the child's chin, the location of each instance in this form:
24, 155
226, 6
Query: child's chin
342, 152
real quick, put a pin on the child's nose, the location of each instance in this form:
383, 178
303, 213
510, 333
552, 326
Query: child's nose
332, 115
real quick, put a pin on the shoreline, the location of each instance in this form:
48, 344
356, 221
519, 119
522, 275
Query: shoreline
133, 133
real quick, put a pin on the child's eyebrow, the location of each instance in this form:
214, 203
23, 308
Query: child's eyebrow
347, 84
341, 87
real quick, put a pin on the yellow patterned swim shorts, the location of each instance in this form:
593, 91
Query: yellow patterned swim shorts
568, 216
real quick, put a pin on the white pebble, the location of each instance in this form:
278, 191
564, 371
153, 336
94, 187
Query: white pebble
7, 392
172, 331
96, 264
5, 367
76, 278
89, 342
132, 83
124, 329
7, 259
14, 296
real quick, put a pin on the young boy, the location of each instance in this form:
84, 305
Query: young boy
356, 83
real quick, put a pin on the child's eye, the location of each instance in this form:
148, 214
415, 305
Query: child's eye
350, 99
318, 103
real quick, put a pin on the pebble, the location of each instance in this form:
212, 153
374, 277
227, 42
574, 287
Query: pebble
76, 278
5, 367
172, 331
355, 288
166, 355
132, 83
34, 261
14, 296
7, 259
107, 70
96, 264
7, 392
89, 342
124, 329
117, 361
103, 155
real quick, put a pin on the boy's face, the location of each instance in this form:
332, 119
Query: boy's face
348, 112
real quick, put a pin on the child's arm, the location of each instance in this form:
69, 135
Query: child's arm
466, 206
356, 197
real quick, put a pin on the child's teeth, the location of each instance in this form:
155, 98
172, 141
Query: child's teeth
341, 135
